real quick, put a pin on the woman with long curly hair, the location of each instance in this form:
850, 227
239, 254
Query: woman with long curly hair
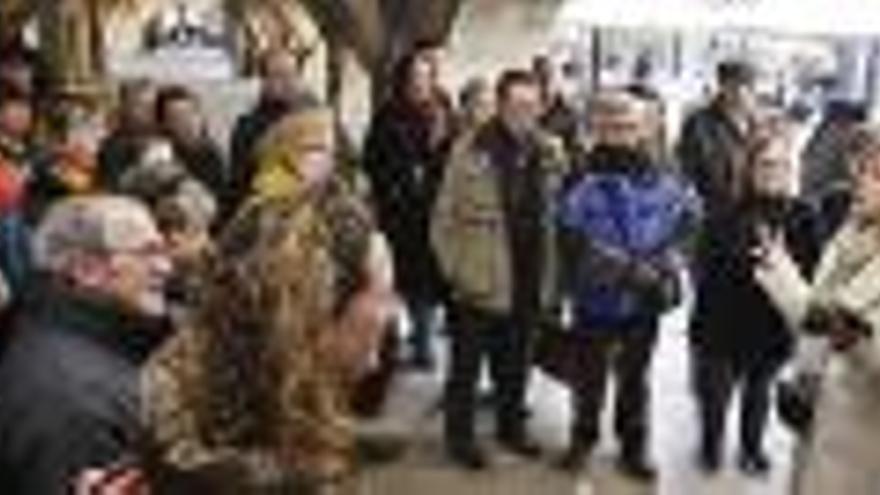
253, 396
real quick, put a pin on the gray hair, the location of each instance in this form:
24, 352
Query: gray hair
191, 205
156, 172
161, 181
88, 225
615, 101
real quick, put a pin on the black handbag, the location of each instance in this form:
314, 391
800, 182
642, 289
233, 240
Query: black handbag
796, 402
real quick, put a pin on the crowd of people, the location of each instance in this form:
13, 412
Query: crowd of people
182, 318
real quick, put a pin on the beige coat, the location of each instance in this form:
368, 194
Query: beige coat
469, 233
843, 456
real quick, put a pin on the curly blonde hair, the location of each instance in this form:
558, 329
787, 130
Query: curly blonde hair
252, 374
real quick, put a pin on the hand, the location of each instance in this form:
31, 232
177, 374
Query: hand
849, 330
820, 321
842, 328
770, 244
645, 276
110, 481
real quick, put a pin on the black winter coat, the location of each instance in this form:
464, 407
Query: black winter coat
711, 155
116, 154
70, 395
205, 162
733, 317
405, 169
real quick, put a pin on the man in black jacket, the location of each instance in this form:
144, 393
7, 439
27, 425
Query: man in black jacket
711, 151
70, 414
179, 115
281, 93
134, 126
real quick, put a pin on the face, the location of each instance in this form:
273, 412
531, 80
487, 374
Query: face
135, 276
76, 167
420, 87
772, 171
185, 120
139, 108
317, 156
186, 244
520, 108
18, 75
478, 105
619, 127
362, 326
435, 58
483, 106
738, 96
281, 78
866, 204
16, 119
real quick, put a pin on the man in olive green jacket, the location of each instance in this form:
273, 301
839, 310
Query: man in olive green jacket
492, 230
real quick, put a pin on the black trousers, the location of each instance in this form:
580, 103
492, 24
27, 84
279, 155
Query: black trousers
627, 355
422, 313
476, 337
716, 376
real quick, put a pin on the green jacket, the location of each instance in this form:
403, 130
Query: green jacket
469, 226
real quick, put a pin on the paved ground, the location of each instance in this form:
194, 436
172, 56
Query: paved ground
424, 471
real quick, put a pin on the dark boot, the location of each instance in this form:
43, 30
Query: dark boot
516, 441
421, 357
575, 459
634, 464
754, 463
468, 456
709, 458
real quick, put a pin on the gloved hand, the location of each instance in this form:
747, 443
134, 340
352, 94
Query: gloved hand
849, 330
658, 286
841, 326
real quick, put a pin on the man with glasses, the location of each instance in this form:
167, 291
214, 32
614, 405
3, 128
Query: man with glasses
69, 380
623, 222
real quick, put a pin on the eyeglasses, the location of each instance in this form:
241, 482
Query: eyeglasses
152, 249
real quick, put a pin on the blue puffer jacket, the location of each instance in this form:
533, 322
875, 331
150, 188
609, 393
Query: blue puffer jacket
630, 217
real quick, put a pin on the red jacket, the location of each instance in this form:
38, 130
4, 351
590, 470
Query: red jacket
11, 187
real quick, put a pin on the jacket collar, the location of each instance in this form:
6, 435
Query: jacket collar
610, 160
716, 110
494, 139
129, 335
